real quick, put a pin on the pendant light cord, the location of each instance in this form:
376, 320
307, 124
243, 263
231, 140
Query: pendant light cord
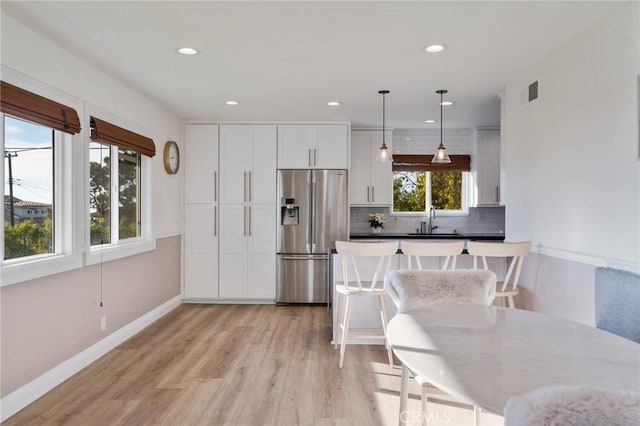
441, 124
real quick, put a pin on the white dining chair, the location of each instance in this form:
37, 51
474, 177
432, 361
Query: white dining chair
354, 284
411, 289
573, 405
449, 250
508, 288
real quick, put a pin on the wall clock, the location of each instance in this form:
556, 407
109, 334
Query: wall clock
171, 157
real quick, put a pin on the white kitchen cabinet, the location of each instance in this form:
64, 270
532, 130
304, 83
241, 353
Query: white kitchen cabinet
200, 163
248, 212
313, 146
370, 181
201, 251
201, 211
488, 167
247, 252
248, 164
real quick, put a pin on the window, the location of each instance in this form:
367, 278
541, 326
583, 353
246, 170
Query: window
126, 194
418, 184
415, 192
119, 190
28, 186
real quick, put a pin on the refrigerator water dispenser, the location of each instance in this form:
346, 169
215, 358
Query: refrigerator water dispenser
290, 213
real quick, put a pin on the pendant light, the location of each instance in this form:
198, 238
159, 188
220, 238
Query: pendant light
384, 154
441, 156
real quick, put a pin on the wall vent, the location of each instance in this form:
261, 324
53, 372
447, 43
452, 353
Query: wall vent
529, 93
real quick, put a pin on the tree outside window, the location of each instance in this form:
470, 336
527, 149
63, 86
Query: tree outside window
417, 191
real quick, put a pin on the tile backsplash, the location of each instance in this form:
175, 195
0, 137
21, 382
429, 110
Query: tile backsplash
488, 220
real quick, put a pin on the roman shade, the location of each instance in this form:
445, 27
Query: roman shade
38, 109
422, 163
105, 132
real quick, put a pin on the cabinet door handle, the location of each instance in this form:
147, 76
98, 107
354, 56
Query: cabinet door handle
368, 194
250, 187
309, 157
373, 194
244, 231
249, 219
215, 186
498, 194
215, 221
315, 157
244, 186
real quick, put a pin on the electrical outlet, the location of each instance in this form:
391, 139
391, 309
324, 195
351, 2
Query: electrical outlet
103, 323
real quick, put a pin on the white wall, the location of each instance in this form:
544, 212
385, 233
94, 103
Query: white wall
48, 320
571, 160
30, 53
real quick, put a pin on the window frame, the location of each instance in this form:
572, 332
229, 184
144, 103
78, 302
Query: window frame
67, 162
466, 199
129, 246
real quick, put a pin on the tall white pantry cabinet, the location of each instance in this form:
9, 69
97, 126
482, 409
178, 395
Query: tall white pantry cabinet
230, 212
248, 212
201, 211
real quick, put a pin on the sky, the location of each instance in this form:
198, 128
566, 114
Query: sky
32, 168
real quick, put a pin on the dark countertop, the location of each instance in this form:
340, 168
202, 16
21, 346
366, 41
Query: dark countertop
434, 236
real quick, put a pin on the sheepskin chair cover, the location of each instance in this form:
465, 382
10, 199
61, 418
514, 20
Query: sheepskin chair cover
573, 406
427, 287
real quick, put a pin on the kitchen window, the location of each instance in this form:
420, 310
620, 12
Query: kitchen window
417, 185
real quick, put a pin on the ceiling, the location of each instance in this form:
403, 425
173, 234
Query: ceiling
283, 61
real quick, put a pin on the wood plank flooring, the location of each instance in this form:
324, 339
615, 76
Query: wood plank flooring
233, 365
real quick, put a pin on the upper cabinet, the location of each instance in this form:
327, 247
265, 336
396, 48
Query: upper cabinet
370, 181
313, 146
201, 163
488, 166
248, 163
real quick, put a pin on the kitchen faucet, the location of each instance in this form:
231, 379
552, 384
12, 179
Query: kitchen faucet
432, 218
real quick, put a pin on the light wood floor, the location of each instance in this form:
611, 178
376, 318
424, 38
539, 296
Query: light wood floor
236, 365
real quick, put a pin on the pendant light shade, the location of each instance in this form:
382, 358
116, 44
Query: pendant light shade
441, 156
384, 153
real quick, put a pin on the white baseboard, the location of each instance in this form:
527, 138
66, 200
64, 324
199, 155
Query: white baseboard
230, 301
20, 398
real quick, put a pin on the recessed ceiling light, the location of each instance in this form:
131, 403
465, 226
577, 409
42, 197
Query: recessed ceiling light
407, 139
187, 51
334, 103
434, 48
447, 103
232, 103
430, 120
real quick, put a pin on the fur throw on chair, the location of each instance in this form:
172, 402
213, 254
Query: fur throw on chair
573, 406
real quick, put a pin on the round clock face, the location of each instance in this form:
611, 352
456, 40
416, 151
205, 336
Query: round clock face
171, 157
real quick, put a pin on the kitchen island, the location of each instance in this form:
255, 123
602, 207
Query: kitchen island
365, 310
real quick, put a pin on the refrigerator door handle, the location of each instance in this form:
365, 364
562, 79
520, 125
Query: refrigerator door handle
313, 228
305, 257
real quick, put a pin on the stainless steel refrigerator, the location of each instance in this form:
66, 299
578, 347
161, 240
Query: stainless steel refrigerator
313, 214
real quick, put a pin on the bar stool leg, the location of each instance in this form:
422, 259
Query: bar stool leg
337, 335
383, 317
345, 329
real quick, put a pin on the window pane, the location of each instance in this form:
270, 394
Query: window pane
28, 188
129, 193
409, 191
446, 190
100, 193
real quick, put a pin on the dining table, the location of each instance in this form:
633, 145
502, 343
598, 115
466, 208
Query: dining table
485, 355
